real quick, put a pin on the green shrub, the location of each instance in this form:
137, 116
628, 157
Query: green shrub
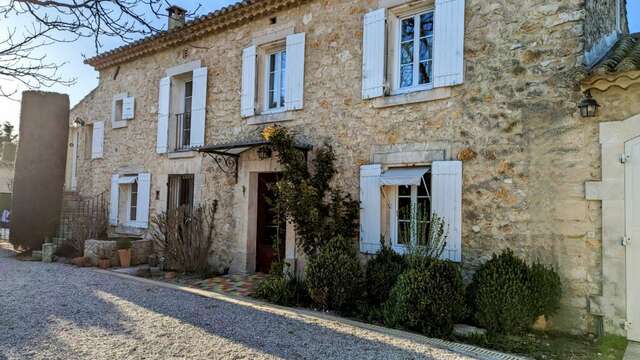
546, 290
334, 276
282, 288
428, 298
381, 274
501, 295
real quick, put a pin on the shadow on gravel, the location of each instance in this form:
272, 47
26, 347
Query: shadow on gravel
281, 335
32, 295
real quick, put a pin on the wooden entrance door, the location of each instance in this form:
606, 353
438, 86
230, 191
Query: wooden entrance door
271, 227
632, 229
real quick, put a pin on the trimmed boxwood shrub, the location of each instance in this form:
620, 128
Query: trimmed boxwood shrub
381, 274
507, 295
334, 276
428, 297
282, 290
546, 289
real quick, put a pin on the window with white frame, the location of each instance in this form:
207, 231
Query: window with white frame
182, 109
273, 76
414, 46
411, 215
275, 71
415, 55
129, 201
122, 109
398, 205
180, 191
133, 201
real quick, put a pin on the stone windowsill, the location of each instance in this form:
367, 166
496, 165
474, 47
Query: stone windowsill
270, 118
412, 98
119, 124
128, 230
181, 154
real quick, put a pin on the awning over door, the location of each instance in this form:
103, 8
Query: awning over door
403, 176
127, 179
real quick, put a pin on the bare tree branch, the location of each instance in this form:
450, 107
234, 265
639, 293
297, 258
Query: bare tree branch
22, 57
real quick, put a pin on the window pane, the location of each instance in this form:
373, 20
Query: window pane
426, 45
422, 189
282, 76
407, 29
426, 24
404, 232
406, 53
425, 72
188, 89
272, 100
272, 62
404, 190
406, 75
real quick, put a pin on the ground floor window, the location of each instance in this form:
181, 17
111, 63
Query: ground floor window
411, 213
180, 191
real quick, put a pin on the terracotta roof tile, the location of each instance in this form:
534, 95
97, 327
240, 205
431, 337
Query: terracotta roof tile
623, 57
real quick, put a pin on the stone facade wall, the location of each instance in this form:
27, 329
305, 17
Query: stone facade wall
516, 110
600, 20
140, 251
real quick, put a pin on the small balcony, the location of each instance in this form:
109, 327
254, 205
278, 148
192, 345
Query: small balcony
183, 132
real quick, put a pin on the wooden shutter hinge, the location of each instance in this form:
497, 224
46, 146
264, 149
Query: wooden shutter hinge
626, 241
624, 158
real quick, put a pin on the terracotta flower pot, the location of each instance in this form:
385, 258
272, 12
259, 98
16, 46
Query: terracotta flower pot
104, 263
125, 257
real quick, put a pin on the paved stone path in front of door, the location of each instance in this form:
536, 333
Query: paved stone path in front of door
234, 285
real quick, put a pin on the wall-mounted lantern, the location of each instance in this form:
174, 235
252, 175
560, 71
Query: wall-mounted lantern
77, 123
588, 105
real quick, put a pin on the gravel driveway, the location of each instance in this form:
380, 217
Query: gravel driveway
55, 311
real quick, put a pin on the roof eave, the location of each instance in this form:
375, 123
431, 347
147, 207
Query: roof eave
216, 21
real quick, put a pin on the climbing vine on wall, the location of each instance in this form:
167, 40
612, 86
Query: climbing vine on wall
319, 211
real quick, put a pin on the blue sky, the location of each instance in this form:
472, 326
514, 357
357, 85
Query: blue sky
87, 79
71, 55
633, 10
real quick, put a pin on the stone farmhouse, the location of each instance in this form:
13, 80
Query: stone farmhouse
482, 111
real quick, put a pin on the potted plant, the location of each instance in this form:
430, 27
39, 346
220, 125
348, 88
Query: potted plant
104, 258
124, 252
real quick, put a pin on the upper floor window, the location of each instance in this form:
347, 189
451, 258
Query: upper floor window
273, 76
182, 108
411, 47
416, 48
122, 109
276, 64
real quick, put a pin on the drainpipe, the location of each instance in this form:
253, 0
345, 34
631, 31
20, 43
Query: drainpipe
619, 16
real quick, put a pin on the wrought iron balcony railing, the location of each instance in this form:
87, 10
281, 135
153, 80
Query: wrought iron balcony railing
183, 131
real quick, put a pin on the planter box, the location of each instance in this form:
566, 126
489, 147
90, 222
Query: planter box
140, 251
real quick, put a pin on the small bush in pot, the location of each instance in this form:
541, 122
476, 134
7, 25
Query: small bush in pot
334, 276
501, 295
428, 297
124, 251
